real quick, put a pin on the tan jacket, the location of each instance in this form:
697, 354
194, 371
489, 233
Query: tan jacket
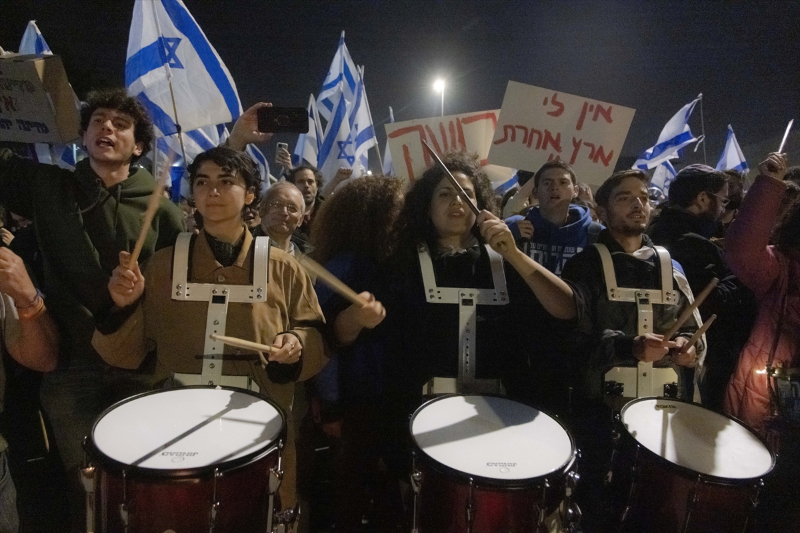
177, 328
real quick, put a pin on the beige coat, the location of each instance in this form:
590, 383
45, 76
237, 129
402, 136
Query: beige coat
177, 328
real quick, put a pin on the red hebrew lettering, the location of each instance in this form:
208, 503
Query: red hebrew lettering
409, 129
444, 136
576, 144
10, 103
433, 140
481, 116
606, 113
453, 137
559, 106
524, 133
409, 163
591, 148
506, 129
554, 142
583, 116
538, 138
550, 157
461, 142
600, 155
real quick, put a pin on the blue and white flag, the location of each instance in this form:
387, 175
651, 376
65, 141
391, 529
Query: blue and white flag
349, 133
388, 164
166, 46
33, 42
663, 176
307, 147
342, 78
732, 157
506, 186
675, 135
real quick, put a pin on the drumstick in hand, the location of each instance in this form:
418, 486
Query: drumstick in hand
152, 207
331, 281
247, 345
699, 333
689, 310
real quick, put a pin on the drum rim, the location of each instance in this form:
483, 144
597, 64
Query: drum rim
109, 464
477, 480
688, 471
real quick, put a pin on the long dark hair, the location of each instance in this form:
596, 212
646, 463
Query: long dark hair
359, 219
414, 225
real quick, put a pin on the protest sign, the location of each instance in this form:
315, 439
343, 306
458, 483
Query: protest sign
37, 104
469, 131
537, 125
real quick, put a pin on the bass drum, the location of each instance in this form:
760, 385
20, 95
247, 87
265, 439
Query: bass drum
489, 464
679, 467
190, 459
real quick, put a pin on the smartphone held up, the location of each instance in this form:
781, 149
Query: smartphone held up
283, 120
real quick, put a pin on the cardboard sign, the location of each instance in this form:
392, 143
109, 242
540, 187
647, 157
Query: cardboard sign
472, 132
537, 125
37, 104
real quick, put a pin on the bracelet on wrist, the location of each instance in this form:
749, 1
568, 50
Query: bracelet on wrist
33, 311
36, 299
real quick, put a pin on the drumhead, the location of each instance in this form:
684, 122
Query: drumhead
693, 437
187, 428
491, 437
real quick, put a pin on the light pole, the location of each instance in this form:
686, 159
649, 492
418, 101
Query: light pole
438, 86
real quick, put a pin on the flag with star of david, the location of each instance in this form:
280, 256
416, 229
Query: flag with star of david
349, 131
166, 44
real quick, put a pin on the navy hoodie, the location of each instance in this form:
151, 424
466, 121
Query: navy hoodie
552, 246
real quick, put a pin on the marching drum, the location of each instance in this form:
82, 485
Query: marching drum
679, 467
185, 460
488, 464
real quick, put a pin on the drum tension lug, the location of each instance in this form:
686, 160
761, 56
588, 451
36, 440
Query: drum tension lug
275, 477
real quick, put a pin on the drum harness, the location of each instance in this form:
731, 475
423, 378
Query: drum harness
218, 296
647, 378
468, 300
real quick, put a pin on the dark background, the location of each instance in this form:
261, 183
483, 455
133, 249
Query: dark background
654, 56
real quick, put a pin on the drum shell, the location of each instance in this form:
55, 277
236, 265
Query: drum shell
182, 500
508, 506
655, 495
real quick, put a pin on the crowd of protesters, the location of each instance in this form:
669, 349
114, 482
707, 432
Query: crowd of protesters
351, 374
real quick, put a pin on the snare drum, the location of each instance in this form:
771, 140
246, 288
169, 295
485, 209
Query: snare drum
679, 467
485, 463
189, 459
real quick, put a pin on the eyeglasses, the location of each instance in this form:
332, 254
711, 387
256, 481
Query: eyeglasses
291, 209
722, 200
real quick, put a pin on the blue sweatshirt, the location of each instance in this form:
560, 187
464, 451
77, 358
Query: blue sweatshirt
552, 246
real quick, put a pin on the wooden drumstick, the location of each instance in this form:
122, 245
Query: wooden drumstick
247, 345
699, 333
152, 207
689, 310
331, 281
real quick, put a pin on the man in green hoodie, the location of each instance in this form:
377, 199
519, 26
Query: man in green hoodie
83, 219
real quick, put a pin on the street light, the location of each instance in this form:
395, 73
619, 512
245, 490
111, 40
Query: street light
438, 86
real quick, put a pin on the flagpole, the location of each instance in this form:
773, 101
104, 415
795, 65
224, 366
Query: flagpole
703, 128
171, 91
366, 102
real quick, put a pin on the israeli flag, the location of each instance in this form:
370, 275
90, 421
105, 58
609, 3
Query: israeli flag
341, 79
663, 176
349, 132
168, 52
732, 157
33, 42
506, 186
307, 147
388, 164
675, 135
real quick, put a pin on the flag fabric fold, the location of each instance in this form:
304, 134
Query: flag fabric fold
732, 157
165, 45
663, 176
33, 42
675, 135
307, 147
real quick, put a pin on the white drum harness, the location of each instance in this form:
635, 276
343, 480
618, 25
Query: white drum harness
467, 299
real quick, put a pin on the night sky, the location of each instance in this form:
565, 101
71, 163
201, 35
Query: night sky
652, 56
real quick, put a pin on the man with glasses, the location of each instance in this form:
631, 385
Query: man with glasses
697, 200
282, 212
